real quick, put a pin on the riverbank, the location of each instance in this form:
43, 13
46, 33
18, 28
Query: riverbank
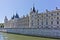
52, 33
32, 35
9, 36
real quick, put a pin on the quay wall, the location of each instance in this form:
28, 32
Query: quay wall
54, 33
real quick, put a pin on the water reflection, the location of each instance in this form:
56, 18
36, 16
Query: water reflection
2, 37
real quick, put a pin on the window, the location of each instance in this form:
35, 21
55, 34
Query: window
57, 22
46, 15
51, 14
51, 26
51, 22
57, 17
32, 15
46, 27
38, 22
32, 23
57, 13
42, 23
46, 23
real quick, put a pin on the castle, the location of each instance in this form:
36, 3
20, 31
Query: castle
48, 19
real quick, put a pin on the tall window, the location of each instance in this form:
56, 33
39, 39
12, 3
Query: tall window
32, 23
51, 18
42, 23
51, 22
57, 17
57, 13
57, 22
32, 15
46, 23
38, 21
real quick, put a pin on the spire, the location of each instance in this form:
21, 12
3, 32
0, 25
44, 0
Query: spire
17, 16
47, 10
6, 19
13, 17
34, 8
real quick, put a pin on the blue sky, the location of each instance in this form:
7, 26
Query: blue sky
22, 7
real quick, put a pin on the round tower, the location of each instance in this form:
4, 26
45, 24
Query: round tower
5, 22
32, 18
6, 19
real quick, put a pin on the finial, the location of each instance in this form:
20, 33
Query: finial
56, 8
47, 10
33, 8
17, 16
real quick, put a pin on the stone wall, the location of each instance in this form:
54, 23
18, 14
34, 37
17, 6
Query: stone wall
54, 33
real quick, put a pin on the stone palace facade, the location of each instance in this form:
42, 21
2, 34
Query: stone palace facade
48, 19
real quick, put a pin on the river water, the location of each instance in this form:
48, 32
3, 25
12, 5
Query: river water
8, 36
